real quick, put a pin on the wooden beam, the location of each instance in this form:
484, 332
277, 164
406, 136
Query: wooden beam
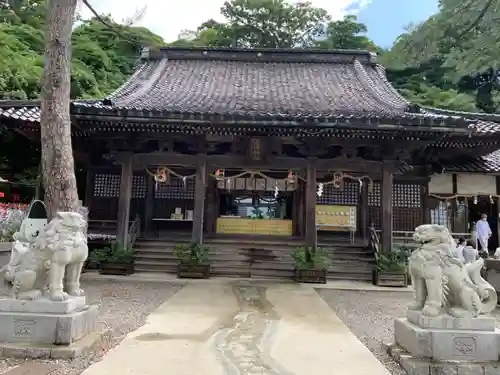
310, 200
386, 210
199, 199
142, 160
124, 201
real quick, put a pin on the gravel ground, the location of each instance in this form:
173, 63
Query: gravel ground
123, 308
370, 316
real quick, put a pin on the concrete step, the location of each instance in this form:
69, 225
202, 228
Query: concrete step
260, 257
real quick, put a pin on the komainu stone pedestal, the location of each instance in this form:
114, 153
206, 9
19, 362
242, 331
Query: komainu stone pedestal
45, 324
425, 345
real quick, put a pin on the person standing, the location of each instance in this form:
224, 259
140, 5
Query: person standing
483, 231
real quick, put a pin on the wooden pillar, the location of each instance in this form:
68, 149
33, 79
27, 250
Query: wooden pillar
300, 210
124, 201
210, 214
497, 213
89, 187
149, 204
295, 211
454, 215
386, 207
363, 222
199, 198
310, 200
425, 203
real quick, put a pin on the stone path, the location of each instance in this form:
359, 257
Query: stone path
241, 327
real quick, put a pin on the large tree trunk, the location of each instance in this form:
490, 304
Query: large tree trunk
57, 156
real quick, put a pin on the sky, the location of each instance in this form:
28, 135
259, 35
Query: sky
385, 19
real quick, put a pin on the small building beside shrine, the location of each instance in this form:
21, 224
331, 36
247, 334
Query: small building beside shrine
301, 147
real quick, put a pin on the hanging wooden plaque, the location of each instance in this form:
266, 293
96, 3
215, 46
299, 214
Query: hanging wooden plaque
250, 183
260, 184
240, 184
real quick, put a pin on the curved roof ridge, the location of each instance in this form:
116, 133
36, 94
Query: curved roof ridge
377, 94
383, 78
276, 55
136, 87
126, 86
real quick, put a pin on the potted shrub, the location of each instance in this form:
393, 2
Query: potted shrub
311, 265
392, 268
193, 261
114, 260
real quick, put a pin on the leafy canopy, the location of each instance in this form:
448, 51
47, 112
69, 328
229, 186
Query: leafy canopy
102, 59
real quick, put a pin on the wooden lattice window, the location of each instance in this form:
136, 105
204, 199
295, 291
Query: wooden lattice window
406, 195
406, 200
349, 195
106, 185
374, 195
177, 188
139, 187
441, 214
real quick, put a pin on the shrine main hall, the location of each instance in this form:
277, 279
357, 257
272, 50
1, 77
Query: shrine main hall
300, 146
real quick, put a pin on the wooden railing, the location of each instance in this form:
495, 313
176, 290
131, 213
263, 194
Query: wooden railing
105, 230
406, 237
374, 242
134, 231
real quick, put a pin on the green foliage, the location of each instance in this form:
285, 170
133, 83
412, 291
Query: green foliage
465, 38
449, 61
395, 260
347, 34
7, 231
307, 258
115, 253
102, 60
277, 24
192, 254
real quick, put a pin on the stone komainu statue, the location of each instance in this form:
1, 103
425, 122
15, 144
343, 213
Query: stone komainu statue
52, 263
442, 283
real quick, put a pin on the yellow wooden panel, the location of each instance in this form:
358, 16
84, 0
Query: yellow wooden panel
229, 225
336, 218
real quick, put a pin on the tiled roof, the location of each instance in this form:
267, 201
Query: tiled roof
260, 84
487, 123
20, 110
485, 164
239, 82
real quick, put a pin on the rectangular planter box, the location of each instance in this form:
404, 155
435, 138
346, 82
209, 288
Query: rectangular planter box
311, 276
188, 271
116, 269
392, 279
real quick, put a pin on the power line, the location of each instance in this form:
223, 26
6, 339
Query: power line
107, 24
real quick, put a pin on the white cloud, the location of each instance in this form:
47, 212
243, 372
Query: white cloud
169, 18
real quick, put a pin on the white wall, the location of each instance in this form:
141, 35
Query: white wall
477, 184
441, 184
467, 184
